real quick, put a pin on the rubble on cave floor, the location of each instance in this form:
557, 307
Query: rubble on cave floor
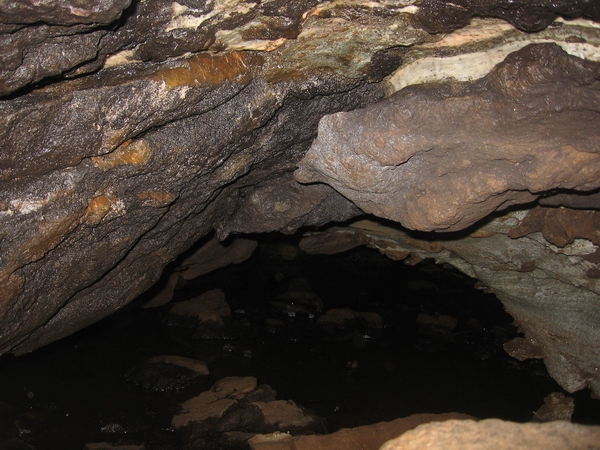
282, 348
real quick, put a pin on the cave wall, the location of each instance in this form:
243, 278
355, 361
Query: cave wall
130, 130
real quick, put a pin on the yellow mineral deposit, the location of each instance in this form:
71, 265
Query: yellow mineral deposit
157, 199
129, 153
96, 209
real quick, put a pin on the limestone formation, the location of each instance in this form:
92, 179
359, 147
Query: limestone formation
442, 158
504, 267
131, 130
494, 433
367, 437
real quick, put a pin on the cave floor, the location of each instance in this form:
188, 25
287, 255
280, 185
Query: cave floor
75, 391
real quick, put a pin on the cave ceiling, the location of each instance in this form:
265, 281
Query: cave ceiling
130, 130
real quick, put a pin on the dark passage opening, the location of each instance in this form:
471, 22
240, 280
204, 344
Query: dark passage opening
355, 337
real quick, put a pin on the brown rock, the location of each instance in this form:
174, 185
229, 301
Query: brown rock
328, 245
557, 406
338, 316
285, 415
523, 348
214, 255
497, 434
209, 307
167, 373
214, 403
560, 226
108, 446
489, 144
367, 437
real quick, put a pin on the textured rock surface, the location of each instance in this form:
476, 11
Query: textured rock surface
528, 275
368, 437
130, 130
443, 158
494, 433
75, 215
235, 409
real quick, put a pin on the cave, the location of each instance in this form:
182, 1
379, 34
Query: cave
356, 337
149, 147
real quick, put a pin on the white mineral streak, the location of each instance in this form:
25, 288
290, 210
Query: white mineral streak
117, 209
465, 67
486, 42
121, 58
579, 22
579, 247
224, 8
27, 206
36, 202
178, 9
233, 39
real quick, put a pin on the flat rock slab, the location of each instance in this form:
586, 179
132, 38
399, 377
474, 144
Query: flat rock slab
499, 435
368, 437
214, 403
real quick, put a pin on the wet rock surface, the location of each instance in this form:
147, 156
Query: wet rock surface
167, 373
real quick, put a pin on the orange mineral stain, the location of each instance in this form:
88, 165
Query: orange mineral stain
207, 69
97, 208
157, 199
128, 153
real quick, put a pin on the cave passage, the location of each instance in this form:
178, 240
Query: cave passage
420, 339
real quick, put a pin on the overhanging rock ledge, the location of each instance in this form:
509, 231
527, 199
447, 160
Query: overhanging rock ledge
129, 130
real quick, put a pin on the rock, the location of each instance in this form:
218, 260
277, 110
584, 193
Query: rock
373, 319
380, 159
209, 307
214, 255
290, 310
167, 373
345, 317
321, 244
309, 300
132, 130
165, 295
235, 409
108, 446
440, 16
286, 205
560, 226
285, 415
495, 433
557, 406
367, 437
214, 403
262, 393
340, 317
438, 320
525, 296
523, 348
